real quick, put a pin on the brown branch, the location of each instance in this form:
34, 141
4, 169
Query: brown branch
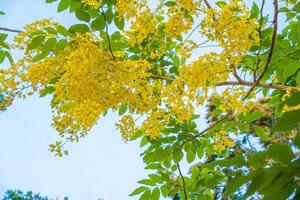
207, 129
240, 82
235, 74
183, 182
10, 30
207, 4
255, 84
270, 53
262, 85
108, 37
165, 78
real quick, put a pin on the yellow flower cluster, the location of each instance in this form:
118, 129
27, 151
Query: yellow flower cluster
232, 28
180, 18
92, 3
177, 24
204, 73
144, 33
127, 126
232, 100
88, 83
222, 141
287, 108
128, 9
144, 25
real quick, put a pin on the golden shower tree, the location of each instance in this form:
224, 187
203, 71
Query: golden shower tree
157, 63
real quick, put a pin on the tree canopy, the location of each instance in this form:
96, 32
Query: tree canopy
164, 65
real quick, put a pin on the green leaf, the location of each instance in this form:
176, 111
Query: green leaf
74, 5
109, 15
238, 161
2, 56
62, 30
80, 28
290, 67
3, 36
164, 190
146, 195
50, 1
120, 23
63, 5
61, 44
122, 109
235, 183
297, 139
49, 45
8, 56
254, 11
144, 141
155, 178
287, 121
2, 13
220, 3
147, 182
47, 90
258, 160
82, 15
281, 153
37, 41
98, 24
177, 155
200, 151
51, 30
170, 3
295, 32
139, 190
253, 116
176, 61
261, 133
4, 45
298, 78
155, 194
190, 157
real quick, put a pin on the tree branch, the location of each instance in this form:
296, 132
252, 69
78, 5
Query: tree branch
207, 4
10, 30
262, 85
253, 85
275, 2
240, 82
235, 74
183, 182
108, 37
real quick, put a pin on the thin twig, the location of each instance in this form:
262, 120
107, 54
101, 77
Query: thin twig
235, 74
10, 30
270, 53
183, 182
207, 4
108, 37
256, 83
240, 82
262, 85
260, 37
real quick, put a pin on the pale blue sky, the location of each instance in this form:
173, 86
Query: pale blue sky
101, 165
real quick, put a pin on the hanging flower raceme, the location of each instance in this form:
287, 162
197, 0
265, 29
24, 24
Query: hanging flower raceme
232, 28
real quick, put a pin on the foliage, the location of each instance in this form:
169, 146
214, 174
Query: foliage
20, 195
148, 70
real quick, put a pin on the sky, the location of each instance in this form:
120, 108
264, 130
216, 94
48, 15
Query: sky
99, 166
